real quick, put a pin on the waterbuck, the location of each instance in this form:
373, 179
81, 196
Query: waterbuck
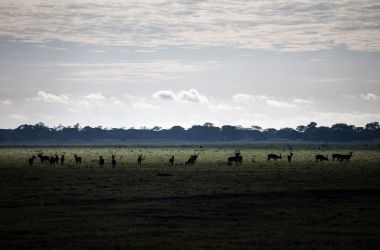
140, 158
321, 158
43, 158
31, 160
171, 160
345, 157
101, 160
335, 156
290, 156
192, 160
238, 159
78, 159
113, 161
274, 157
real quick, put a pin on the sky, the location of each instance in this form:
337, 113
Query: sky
123, 63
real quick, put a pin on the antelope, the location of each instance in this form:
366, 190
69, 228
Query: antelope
171, 160
191, 160
335, 156
101, 160
43, 158
62, 159
290, 157
78, 159
238, 159
31, 160
140, 159
52, 160
113, 161
274, 157
345, 157
321, 158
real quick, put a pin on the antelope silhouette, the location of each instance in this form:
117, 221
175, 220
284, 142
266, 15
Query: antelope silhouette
101, 160
78, 159
345, 157
171, 160
140, 159
62, 159
113, 161
43, 158
274, 157
238, 159
31, 160
53, 159
335, 156
290, 156
321, 158
192, 160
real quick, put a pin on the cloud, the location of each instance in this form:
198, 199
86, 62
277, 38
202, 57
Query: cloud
6, 102
165, 95
254, 99
297, 25
143, 104
370, 97
18, 117
303, 101
46, 97
191, 95
131, 71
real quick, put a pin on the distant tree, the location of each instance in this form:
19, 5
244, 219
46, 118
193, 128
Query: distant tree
208, 125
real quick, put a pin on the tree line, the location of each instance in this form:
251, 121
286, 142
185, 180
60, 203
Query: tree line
339, 132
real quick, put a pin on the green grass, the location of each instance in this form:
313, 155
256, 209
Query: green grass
259, 205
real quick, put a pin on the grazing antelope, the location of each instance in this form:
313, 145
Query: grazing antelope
345, 157
78, 159
113, 161
140, 158
192, 160
290, 156
321, 158
335, 156
171, 160
274, 157
62, 159
31, 160
52, 160
43, 158
238, 159
101, 160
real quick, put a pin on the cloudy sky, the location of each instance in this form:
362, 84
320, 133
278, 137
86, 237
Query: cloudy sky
123, 63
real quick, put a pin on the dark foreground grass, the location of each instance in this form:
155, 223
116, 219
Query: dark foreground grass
302, 205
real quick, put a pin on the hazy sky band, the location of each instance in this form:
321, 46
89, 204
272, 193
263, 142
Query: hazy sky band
133, 63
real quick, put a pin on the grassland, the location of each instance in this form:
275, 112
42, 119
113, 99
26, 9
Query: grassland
259, 205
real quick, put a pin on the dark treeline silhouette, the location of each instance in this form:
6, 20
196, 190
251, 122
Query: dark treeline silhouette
339, 132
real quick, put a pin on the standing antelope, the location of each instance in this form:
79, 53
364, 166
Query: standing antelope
113, 161
290, 156
140, 159
43, 158
321, 158
274, 157
31, 160
335, 156
192, 160
238, 159
101, 160
171, 160
78, 159
345, 157
62, 159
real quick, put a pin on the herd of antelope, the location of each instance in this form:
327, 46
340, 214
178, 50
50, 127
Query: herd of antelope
237, 159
